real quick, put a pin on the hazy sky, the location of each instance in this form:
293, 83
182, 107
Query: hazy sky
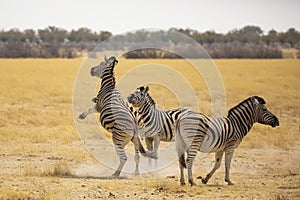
128, 15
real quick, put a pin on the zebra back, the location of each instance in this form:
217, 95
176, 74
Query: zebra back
151, 120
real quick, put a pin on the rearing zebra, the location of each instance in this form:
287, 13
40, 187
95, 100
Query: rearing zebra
198, 132
115, 114
154, 124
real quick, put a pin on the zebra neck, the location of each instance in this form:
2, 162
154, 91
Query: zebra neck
147, 109
241, 122
149, 120
147, 106
108, 83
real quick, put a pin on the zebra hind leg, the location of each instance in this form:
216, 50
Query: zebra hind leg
228, 157
189, 161
182, 165
123, 158
137, 161
218, 159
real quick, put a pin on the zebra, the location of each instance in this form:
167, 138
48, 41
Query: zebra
154, 124
198, 132
115, 114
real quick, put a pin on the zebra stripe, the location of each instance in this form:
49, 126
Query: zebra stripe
198, 132
154, 124
115, 114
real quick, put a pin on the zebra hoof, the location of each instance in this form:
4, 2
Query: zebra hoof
95, 99
81, 116
182, 183
153, 155
115, 175
229, 182
204, 180
192, 183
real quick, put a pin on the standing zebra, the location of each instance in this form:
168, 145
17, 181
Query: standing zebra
154, 124
115, 115
198, 132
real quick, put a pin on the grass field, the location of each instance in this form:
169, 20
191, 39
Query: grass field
42, 157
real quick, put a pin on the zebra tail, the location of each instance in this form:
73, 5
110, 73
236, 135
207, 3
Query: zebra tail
180, 146
143, 150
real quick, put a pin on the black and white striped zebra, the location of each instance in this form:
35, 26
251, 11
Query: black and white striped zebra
154, 124
198, 132
115, 114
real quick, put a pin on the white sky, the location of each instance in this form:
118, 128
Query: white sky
128, 15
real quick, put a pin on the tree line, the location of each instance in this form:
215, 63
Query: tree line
52, 42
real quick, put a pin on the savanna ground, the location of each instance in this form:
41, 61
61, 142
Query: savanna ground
42, 157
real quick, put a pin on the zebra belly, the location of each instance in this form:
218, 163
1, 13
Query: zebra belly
209, 146
166, 139
114, 120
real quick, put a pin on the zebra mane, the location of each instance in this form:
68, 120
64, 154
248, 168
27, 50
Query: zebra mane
150, 100
239, 105
110, 70
260, 100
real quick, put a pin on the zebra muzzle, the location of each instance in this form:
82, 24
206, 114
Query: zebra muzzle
130, 98
275, 123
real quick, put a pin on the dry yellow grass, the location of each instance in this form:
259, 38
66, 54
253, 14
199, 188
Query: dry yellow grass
39, 143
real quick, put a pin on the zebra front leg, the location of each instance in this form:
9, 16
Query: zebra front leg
228, 157
155, 148
89, 111
149, 145
218, 159
123, 158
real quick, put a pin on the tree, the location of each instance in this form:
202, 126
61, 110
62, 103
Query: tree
252, 29
272, 37
104, 35
291, 36
52, 34
29, 35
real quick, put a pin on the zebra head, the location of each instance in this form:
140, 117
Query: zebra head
138, 98
98, 70
263, 115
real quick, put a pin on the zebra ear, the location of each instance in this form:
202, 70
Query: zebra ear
146, 89
259, 100
105, 58
141, 88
